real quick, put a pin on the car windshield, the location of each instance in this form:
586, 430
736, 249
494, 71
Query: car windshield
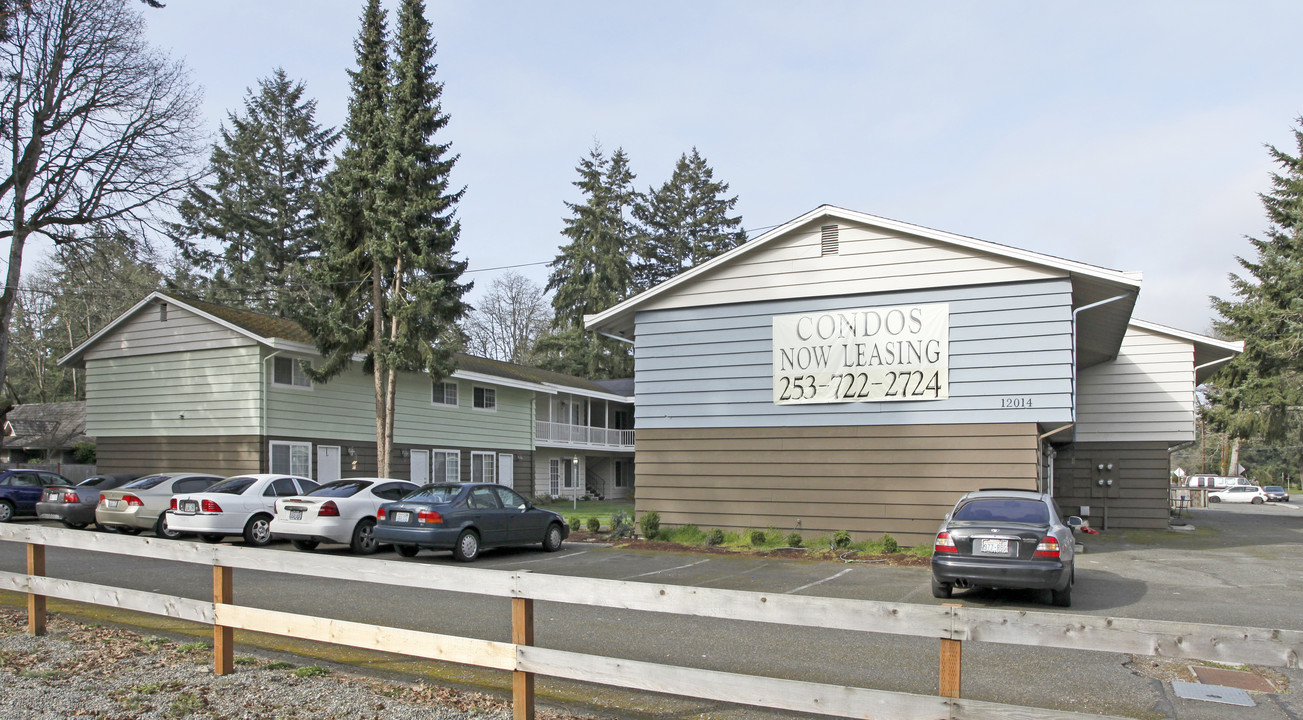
1004, 510
434, 494
232, 486
146, 482
341, 488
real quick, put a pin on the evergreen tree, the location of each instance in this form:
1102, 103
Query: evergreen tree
1253, 395
260, 203
685, 222
393, 290
593, 271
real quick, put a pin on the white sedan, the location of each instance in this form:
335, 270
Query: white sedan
343, 511
239, 505
1239, 494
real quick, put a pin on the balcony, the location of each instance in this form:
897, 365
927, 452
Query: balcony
566, 435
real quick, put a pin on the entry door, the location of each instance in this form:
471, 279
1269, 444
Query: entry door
420, 466
327, 463
506, 462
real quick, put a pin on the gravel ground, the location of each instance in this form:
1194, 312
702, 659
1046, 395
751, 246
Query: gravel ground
78, 670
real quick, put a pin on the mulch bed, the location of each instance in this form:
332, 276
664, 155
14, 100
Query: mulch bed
821, 554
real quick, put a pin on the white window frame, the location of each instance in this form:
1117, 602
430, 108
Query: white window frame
435, 398
490, 396
554, 477
298, 379
621, 474
302, 471
486, 463
454, 471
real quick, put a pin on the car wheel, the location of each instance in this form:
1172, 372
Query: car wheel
6, 511
552, 539
162, 530
123, 530
212, 538
1062, 598
364, 537
1256, 501
407, 550
74, 526
467, 547
258, 530
1214, 498
940, 589
305, 545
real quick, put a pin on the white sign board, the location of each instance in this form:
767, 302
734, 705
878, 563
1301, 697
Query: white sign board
863, 355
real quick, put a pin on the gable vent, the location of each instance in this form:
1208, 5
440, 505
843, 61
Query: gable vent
828, 241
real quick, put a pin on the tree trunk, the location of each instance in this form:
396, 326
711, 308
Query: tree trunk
1234, 467
379, 365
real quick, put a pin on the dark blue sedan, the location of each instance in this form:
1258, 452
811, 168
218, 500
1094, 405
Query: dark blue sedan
466, 518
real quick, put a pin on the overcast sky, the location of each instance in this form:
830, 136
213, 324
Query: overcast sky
1128, 135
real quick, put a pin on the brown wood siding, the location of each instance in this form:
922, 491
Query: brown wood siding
219, 454
1138, 498
869, 480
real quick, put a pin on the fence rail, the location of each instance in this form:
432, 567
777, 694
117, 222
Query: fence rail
952, 625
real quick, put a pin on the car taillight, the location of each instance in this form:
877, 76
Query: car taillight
328, 509
380, 514
209, 506
70, 496
101, 497
944, 543
1049, 547
132, 501
173, 505
429, 516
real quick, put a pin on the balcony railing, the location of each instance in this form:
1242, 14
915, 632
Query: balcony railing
566, 434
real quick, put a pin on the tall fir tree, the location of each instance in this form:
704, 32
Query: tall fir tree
593, 271
393, 290
1257, 393
260, 204
685, 222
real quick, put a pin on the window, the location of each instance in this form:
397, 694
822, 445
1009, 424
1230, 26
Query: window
444, 393
510, 499
486, 398
554, 477
194, 484
162, 312
291, 458
281, 487
447, 466
289, 371
621, 474
483, 499
482, 466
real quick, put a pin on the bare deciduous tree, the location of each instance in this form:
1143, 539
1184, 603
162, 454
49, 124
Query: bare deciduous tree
509, 320
98, 129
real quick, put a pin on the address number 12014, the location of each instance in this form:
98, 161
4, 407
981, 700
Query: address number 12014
841, 387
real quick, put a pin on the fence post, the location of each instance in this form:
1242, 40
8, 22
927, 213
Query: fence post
35, 603
951, 661
522, 683
223, 637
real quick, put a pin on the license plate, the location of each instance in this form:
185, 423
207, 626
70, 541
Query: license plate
995, 545
402, 517
190, 506
296, 514
111, 503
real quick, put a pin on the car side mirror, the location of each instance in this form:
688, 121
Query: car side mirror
1075, 523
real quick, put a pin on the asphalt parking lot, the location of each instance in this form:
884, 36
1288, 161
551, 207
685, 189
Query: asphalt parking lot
1237, 565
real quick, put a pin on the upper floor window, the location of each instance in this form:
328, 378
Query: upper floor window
444, 393
486, 398
289, 371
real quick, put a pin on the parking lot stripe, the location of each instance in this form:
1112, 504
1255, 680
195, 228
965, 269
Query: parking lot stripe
550, 559
818, 582
658, 572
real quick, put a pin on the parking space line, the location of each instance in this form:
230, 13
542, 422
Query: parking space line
717, 578
552, 558
658, 572
818, 582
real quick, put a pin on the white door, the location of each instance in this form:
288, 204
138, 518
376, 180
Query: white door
327, 464
420, 466
506, 462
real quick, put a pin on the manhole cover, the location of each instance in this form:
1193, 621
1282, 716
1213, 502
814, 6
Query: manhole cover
1211, 693
1232, 678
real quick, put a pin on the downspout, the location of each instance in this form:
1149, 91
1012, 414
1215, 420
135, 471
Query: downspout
262, 411
1049, 477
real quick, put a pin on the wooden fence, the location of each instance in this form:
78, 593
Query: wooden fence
951, 624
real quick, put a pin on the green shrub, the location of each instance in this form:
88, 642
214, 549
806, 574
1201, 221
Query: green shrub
715, 538
594, 524
794, 540
889, 544
574, 522
650, 524
841, 539
84, 452
621, 525
756, 537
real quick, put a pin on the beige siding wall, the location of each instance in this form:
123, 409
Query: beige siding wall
1146, 394
147, 333
222, 455
869, 259
869, 480
1138, 497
